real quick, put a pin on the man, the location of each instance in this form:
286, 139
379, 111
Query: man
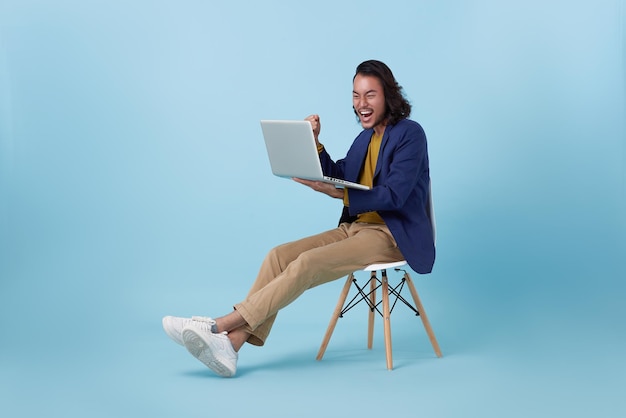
387, 223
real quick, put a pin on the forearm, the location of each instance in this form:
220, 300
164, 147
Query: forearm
319, 186
337, 193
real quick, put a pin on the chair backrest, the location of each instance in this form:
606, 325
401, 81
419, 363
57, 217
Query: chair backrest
431, 211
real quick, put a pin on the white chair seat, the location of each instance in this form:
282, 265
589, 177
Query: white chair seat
385, 266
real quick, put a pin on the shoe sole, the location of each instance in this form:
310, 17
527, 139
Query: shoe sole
201, 349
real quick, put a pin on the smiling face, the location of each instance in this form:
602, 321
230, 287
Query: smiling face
368, 100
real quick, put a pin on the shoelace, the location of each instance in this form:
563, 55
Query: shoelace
208, 323
206, 319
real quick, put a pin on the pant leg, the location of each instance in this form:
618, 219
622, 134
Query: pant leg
279, 257
314, 261
275, 262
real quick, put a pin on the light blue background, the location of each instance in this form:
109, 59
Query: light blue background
134, 184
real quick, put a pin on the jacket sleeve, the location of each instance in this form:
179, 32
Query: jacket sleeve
330, 167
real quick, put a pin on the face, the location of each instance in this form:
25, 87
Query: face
368, 100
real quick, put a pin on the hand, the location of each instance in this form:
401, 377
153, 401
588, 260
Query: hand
320, 186
316, 125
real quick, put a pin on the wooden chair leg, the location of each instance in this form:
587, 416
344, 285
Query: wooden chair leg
422, 312
386, 319
370, 319
335, 317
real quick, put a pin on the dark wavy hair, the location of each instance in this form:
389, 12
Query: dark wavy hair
397, 106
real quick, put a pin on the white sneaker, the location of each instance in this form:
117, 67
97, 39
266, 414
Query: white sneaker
214, 350
173, 326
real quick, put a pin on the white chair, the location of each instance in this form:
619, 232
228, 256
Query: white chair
369, 297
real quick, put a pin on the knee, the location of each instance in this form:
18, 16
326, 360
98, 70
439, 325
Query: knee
307, 261
278, 257
275, 253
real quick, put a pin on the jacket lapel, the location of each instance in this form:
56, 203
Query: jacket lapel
357, 155
382, 149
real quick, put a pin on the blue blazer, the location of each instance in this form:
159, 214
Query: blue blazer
401, 188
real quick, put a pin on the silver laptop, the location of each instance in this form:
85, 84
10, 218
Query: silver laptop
292, 152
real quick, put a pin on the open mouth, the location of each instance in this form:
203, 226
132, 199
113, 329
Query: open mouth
365, 114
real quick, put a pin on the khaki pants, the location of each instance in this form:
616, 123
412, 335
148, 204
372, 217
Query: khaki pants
290, 269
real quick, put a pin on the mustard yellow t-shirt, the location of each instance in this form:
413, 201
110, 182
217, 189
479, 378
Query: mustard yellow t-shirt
367, 178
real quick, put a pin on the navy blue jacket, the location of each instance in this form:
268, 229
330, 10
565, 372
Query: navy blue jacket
401, 188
